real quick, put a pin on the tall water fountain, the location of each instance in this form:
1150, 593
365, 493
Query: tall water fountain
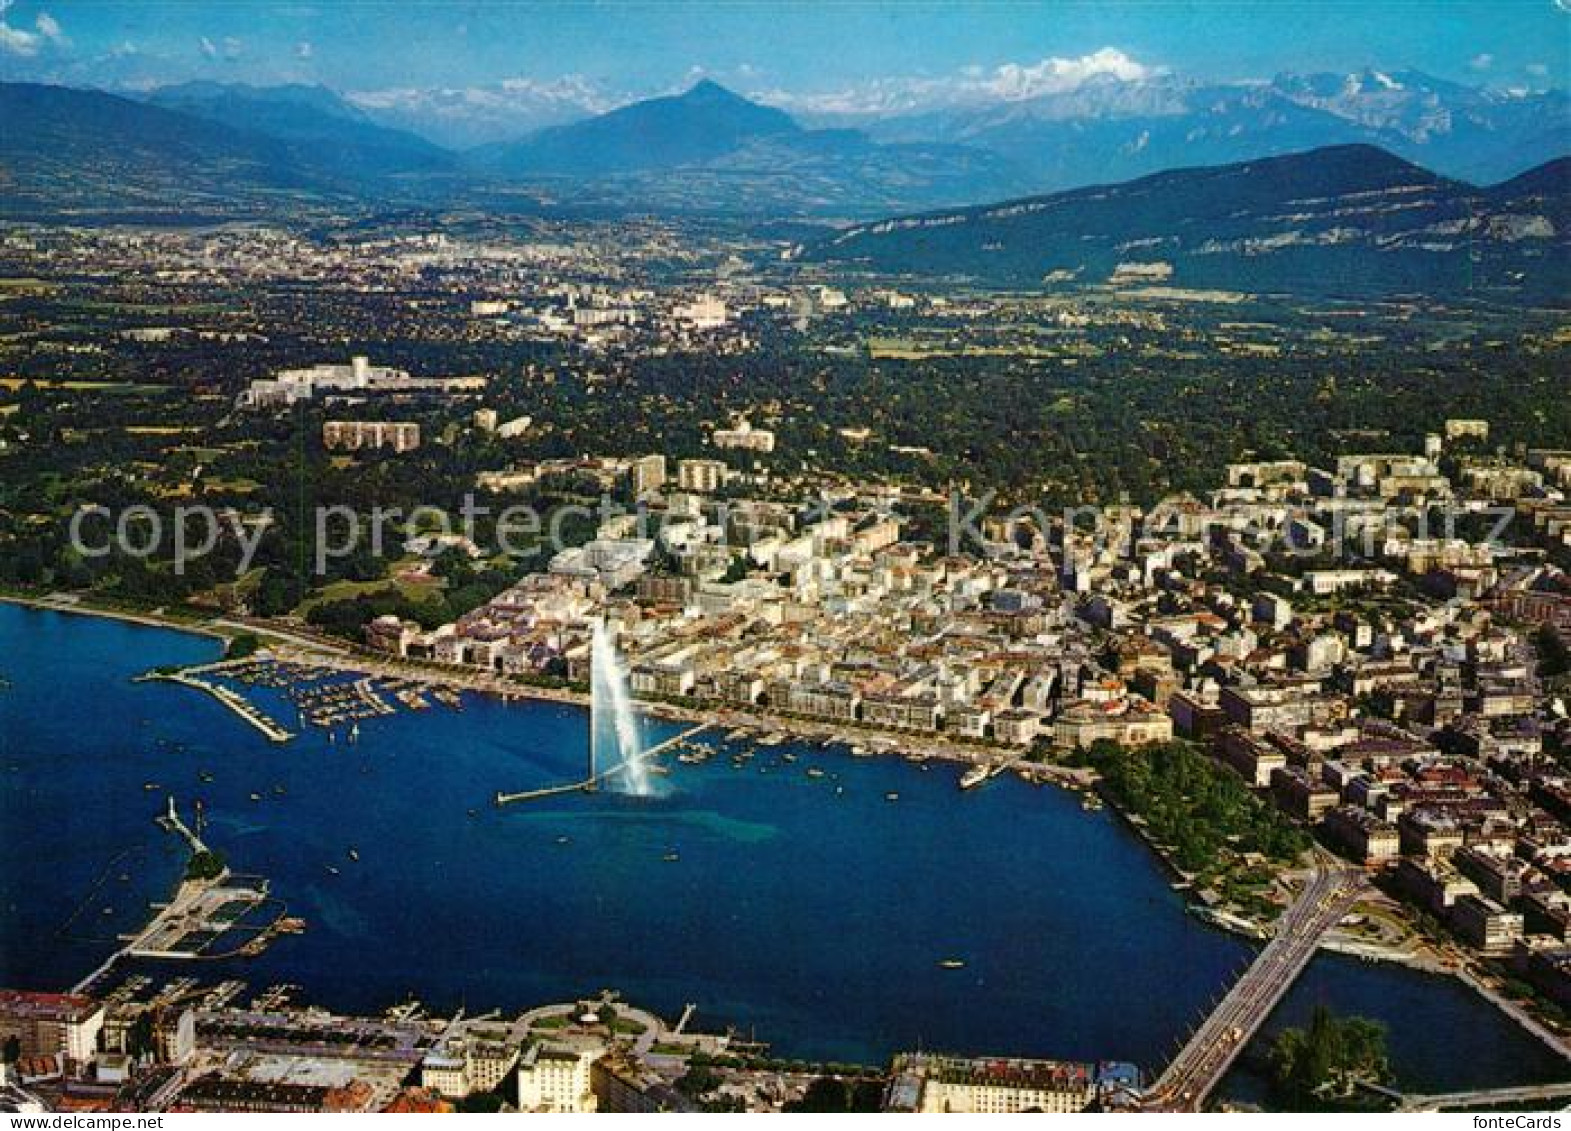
613, 729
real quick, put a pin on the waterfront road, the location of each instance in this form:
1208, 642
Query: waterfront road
1328, 895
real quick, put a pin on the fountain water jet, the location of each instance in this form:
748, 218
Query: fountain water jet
614, 739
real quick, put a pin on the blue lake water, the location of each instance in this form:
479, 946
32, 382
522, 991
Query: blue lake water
812, 912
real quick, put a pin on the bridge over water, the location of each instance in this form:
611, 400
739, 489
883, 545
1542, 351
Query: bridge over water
1200, 1065
1487, 1097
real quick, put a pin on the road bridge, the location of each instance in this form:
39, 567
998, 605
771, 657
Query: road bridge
1200, 1065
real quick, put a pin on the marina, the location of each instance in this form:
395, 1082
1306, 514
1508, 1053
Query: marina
321, 693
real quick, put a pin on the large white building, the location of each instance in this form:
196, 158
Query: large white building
288, 386
745, 437
705, 312
554, 1076
472, 1056
614, 562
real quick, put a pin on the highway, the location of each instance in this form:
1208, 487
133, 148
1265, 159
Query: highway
1200, 1065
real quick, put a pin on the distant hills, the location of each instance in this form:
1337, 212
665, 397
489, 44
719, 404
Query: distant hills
710, 150
706, 123
230, 149
1351, 220
346, 139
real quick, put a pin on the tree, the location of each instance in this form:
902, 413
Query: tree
841, 1093
205, 865
1554, 658
699, 1080
1325, 1061
241, 646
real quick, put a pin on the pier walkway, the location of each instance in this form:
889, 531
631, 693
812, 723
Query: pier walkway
591, 782
237, 703
171, 821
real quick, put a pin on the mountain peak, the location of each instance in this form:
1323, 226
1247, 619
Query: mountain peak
710, 89
703, 123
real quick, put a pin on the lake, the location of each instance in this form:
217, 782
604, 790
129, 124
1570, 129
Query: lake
810, 911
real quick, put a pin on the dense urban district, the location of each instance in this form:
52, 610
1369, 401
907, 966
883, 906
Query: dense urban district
1282, 580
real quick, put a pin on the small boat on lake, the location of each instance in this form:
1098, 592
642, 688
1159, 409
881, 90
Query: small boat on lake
975, 776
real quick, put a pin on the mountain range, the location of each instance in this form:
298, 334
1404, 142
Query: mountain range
1348, 220
217, 149
226, 149
1110, 130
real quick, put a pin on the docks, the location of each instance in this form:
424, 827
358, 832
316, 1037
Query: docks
589, 783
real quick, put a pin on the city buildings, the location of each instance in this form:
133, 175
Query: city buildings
356, 435
56, 1027
923, 1082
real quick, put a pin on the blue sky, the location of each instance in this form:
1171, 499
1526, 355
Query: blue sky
824, 55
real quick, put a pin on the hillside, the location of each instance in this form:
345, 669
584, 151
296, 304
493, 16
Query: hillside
1345, 219
64, 150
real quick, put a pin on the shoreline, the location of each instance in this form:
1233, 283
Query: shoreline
62, 603
871, 743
